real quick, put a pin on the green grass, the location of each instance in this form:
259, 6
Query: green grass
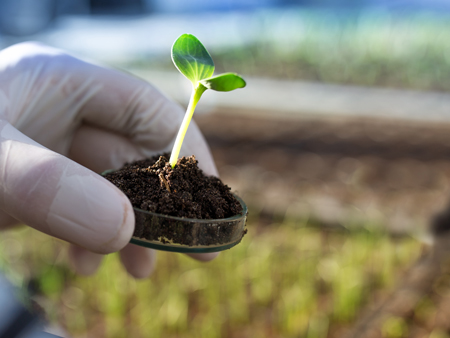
284, 280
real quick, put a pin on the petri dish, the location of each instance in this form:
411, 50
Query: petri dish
188, 235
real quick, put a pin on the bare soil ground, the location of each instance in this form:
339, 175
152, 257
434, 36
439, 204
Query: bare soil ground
348, 172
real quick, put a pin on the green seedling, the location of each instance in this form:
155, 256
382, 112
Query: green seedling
193, 61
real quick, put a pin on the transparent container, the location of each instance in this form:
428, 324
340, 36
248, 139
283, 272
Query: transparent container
177, 234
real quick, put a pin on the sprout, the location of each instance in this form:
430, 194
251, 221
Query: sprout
193, 60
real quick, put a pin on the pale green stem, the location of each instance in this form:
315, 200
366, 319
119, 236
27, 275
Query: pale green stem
195, 97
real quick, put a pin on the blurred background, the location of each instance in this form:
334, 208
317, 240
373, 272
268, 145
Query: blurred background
340, 146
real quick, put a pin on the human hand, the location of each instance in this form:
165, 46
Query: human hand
61, 121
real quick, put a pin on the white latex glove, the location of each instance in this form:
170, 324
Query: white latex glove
60, 118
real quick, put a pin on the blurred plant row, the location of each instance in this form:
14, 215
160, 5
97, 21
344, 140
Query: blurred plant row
370, 49
285, 280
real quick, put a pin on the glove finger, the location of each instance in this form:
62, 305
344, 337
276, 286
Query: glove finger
60, 197
7, 221
203, 257
138, 261
84, 262
100, 149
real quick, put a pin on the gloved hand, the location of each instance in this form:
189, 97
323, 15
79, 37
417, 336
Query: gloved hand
60, 118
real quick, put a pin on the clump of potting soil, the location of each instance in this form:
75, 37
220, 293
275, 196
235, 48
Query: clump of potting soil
184, 191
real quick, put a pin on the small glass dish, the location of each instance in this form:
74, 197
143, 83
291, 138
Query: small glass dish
177, 234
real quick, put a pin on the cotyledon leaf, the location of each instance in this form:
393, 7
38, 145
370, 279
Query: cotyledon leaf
224, 82
192, 59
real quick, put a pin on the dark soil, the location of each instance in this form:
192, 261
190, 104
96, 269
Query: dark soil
185, 191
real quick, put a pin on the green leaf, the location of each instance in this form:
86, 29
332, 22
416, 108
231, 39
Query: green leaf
224, 82
192, 59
